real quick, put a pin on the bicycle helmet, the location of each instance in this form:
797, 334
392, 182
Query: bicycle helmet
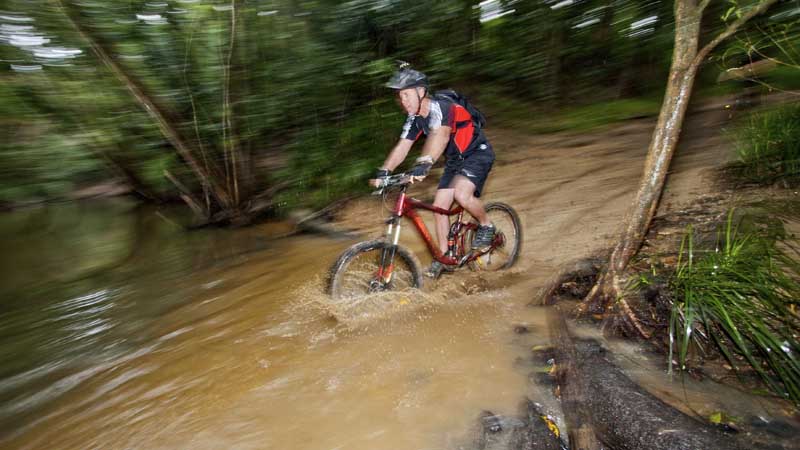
406, 77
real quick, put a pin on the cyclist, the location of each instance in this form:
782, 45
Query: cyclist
450, 129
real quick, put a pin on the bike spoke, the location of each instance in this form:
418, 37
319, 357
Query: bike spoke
507, 239
362, 275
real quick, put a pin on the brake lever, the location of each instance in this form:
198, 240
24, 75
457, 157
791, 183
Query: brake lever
391, 181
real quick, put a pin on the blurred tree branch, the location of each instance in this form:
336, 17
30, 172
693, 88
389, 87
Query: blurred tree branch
165, 125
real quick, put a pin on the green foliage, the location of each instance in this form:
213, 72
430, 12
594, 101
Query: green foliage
512, 112
783, 78
741, 297
770, 46
768, 146
252, 82
328, 162
602, 113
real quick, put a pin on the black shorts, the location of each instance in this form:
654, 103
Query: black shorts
474, 167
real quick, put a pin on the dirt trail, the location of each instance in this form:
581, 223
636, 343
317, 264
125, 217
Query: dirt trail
573, 190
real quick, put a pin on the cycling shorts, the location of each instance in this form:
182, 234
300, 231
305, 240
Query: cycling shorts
475, 167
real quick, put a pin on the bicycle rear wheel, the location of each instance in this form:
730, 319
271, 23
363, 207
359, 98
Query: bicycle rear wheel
356, 272
508, 225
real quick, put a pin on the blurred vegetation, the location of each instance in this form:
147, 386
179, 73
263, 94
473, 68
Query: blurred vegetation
768, 146
280, 103
741, 298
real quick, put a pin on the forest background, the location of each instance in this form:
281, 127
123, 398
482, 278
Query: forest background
252, 107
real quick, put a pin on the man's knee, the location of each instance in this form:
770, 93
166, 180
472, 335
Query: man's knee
442, 204
464, 194
443, 199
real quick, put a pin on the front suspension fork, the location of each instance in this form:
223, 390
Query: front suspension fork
386, 266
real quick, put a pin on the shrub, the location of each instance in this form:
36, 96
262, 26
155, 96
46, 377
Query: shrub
741, 297
768, 146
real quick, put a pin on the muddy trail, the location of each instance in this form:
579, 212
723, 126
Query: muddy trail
226, 339
572, 190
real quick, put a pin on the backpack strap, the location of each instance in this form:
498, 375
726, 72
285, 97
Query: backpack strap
478, 119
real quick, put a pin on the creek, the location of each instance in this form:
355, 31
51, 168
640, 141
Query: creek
119, 329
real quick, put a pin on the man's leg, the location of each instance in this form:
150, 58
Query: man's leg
464, 194
444, 200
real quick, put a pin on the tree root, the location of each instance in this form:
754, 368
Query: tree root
605, 295
632, 318
621, 413
628, 311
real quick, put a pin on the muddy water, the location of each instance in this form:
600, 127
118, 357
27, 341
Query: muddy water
120, 330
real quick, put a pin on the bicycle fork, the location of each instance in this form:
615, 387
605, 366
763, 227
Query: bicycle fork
386, 266
388, 252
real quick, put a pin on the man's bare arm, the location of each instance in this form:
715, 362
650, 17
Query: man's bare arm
436, 143
434, 146
398, 154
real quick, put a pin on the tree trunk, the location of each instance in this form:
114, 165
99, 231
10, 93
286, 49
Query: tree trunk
169, 131
686, 60
623, 415
472, 25
574, 396
239, 89
554, 82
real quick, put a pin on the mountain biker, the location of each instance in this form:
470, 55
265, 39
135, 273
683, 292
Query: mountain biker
449, 129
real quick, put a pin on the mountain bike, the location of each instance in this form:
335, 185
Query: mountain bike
383, 265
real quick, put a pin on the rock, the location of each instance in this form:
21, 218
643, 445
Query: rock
775, 427
522, 329
622, 414
531, 431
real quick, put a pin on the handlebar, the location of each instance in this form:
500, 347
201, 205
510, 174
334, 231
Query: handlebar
399, 179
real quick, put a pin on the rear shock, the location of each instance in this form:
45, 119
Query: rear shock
453, 248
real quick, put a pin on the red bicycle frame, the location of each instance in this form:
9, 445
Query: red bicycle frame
407, 206
456, 245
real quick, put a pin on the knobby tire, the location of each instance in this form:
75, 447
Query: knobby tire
339, 274
513, 244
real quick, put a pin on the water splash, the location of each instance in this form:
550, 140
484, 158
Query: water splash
412, 304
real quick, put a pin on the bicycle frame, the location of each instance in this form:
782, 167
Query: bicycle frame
407, 207
458, 253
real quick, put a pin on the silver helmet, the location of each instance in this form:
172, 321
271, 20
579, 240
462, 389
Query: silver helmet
406, 77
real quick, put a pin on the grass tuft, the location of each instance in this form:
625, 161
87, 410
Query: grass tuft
768, 146
741, 297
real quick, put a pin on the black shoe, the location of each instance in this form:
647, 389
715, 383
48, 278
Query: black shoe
435, 270
483, 238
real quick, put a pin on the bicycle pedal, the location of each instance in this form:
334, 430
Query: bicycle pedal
482, 252
483, 260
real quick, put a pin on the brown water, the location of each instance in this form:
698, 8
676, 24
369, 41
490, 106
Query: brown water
120, 330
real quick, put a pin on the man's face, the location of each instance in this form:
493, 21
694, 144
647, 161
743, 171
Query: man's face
409, 99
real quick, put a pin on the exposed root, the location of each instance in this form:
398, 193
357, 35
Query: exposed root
633, 320
600, 294
573, 282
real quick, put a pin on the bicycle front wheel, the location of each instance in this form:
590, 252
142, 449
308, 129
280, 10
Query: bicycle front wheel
357, 272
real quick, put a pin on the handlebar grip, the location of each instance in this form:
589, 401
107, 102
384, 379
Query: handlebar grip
389, 181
